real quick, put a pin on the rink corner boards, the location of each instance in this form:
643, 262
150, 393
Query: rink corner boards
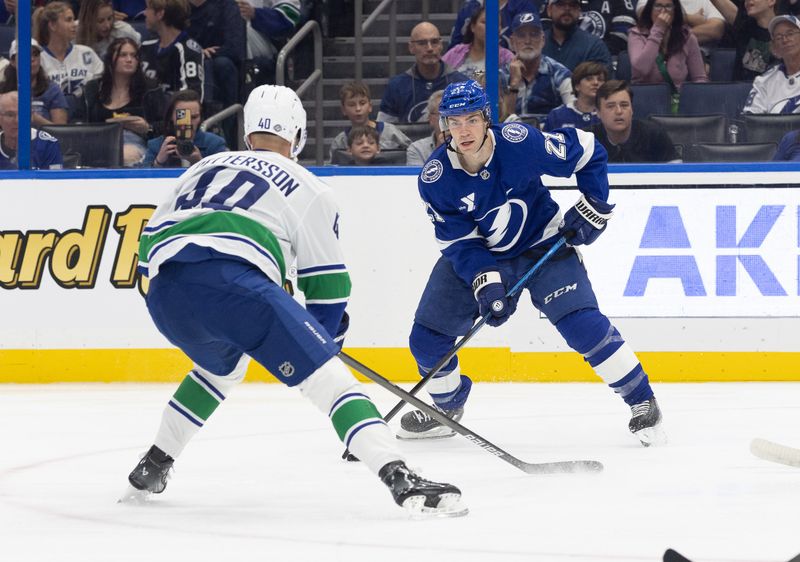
483, 365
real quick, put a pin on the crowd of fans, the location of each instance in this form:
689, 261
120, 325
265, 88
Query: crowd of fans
158, 66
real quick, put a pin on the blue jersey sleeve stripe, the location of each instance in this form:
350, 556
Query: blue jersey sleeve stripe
318, 268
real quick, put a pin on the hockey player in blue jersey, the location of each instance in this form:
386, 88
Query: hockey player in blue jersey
216, 254
493, 219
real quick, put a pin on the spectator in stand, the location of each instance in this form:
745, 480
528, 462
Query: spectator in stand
69, 65
363, 145
706, 22
221, 32
778, 89
469, 58
406, 97
273, 22
663, 49
418, 151
356, 103
508, 9
174, 60
48, 106
45, 151
750, 23
182, 146
97, 26
582, 113
537, 84
788, 148
627, 139
566, 42
125, 95
609, 20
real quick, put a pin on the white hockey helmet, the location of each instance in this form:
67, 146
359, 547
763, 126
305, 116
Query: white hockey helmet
276, 110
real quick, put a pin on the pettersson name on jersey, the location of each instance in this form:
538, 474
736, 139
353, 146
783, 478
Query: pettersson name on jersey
276, 175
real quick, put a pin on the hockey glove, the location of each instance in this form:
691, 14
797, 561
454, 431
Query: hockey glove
491, 296
584, 222
341, 332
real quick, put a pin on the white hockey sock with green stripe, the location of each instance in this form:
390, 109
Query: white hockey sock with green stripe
197, 397
335, 391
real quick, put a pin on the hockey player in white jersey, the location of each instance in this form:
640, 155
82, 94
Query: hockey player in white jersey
493, 219
216, 254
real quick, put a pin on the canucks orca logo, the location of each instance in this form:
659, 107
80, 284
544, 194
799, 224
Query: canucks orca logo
515, 132
432, 171
504, 224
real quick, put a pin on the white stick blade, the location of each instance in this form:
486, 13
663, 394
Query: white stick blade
769, 451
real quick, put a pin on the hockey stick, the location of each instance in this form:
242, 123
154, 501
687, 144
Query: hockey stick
530, 468
774, 452
468, 336
673, 556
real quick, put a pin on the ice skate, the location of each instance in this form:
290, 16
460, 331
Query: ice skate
421, 497
149, 476
646, 423
419, 425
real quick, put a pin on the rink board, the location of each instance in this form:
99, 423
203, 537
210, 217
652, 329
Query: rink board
698, 270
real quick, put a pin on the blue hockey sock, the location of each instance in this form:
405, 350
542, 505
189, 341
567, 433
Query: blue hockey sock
591, 334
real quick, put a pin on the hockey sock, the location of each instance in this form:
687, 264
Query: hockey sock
591, 334
448, 388
335, 391
197, 397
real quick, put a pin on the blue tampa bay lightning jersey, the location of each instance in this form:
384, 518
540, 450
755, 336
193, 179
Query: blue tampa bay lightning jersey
504, 209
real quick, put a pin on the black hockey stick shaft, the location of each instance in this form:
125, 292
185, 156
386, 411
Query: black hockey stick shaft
472, 331
530, 468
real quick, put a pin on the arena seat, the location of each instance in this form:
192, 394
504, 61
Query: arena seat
98, 145
702, 98
685, 130
651, 99
741, 152
768, 127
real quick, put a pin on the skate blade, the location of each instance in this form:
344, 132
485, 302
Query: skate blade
134, 496
438, 433
652, 436
450, 505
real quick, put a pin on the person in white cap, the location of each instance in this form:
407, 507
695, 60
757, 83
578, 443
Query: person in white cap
778, 89
217, 253
48, 104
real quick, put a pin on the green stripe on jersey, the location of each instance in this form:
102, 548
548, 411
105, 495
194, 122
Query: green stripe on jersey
195, 398
218, 222
325, 286
289, 11
351, 413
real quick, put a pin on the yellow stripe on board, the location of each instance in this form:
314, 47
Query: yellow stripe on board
482, 365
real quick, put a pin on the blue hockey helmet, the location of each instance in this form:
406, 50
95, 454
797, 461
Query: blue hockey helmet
462, 98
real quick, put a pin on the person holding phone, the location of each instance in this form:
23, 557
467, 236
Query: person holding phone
184, 143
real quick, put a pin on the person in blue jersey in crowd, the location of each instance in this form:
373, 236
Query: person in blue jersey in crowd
493, 219
508, 9
45, 151
216, 260
789, 148
582, 112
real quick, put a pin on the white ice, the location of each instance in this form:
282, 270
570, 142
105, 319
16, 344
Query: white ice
264, 480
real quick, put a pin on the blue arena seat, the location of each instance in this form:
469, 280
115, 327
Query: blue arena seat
702, 98
722, 62
623, 70
7, 34
651, 99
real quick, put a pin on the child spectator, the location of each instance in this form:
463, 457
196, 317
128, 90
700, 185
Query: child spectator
48, 104
581, 113
98, 28
357, 107
363, 145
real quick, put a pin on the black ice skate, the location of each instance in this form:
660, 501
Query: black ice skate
646, 423
149, 476
419, 425
420, 496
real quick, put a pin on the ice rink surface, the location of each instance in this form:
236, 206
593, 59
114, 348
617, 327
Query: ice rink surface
264, 480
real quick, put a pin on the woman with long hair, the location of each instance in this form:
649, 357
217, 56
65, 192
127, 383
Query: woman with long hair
48, 105
662, 48
123, 94
67, 64
469, 57
97, 26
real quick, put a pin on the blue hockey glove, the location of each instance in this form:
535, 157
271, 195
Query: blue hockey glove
491, 296
341, 332
584, 222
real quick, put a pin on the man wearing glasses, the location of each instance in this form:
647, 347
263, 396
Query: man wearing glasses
405, 99
45, 151
566, 42
778, 89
